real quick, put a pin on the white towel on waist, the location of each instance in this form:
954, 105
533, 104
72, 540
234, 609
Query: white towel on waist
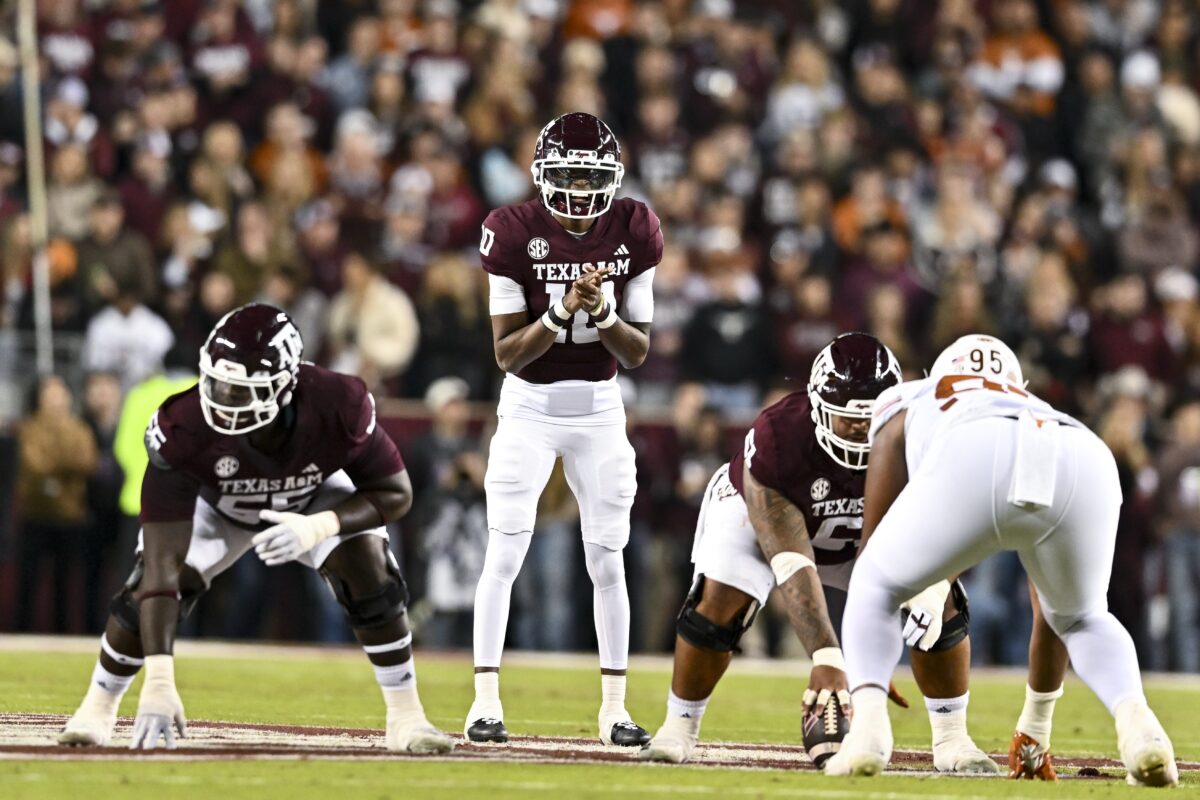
1035, 465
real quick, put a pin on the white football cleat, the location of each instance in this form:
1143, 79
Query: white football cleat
962, 756
867, 749
415, 734
1145, 748
674, 742
93, 722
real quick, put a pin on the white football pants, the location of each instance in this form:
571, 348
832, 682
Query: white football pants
954, 513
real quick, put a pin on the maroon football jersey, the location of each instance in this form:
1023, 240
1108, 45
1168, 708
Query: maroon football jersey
525, 243
782, 452
334, 430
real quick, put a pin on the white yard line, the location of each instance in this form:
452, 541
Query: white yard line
643, 663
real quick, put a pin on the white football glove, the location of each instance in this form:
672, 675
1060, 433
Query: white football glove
160, 710
293, 534
923, 627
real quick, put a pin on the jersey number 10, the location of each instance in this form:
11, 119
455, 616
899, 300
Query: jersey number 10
577, 332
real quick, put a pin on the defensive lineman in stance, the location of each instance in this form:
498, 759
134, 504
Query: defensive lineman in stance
793, 497
570, 279
969, 464
282, 456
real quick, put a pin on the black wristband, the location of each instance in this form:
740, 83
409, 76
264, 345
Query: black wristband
551, 312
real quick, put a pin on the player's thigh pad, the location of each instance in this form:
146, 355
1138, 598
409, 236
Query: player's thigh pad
942, 522
599, 464
726, 548
332, 492
1071, 564
520, 458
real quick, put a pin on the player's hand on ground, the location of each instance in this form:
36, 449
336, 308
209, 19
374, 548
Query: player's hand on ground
292, 535
823, 683
923, 627
160, 713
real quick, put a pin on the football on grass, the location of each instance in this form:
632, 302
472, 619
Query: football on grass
824, 730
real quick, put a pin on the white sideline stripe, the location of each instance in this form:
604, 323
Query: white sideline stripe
792, 667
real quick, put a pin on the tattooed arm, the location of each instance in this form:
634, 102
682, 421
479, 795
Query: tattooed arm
779, 527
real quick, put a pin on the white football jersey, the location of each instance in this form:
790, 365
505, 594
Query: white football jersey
937, 405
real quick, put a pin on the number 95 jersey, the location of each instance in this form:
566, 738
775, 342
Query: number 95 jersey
531, 261
334, 431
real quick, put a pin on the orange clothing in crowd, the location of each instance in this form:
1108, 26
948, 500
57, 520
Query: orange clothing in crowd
1010, 61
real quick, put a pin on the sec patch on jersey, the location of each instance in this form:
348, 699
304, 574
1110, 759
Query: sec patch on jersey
824, 730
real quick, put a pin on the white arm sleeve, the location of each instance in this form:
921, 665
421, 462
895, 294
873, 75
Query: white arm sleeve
506, 295
639, 298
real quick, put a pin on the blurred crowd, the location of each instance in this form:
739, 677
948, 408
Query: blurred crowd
918, 169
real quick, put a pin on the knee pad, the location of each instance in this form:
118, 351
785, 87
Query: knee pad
955, 629
124, 606
700, 631
605, 567
374, 609
505, 555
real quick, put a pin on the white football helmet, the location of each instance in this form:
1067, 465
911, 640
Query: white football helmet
978, 354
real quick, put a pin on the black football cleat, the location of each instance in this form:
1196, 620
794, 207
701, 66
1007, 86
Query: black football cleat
487, 729
628, 734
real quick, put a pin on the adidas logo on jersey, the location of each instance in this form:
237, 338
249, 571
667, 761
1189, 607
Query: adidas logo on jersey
622, 251
312, 468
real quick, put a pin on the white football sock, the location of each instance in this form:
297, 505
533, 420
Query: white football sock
612, 693
1038, 714
398, 677
487, 696
502, 562
687, 709
947, 717
106, 690
610, 604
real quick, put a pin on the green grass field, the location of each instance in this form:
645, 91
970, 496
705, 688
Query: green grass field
306, 687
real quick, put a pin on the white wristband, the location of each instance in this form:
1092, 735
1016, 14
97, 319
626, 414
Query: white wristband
607, 321
324, 525
549, 322
160, 668
787, 564
829, 657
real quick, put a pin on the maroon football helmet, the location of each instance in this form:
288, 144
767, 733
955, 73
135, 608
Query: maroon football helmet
846, 378
577, 166
248, 368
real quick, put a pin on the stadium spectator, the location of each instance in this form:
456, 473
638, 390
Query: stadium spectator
101, 413
373, 327
57, 457
113, 255
126, 338
1178, 506
447, 468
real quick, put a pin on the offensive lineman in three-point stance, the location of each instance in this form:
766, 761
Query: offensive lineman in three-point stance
282, 456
